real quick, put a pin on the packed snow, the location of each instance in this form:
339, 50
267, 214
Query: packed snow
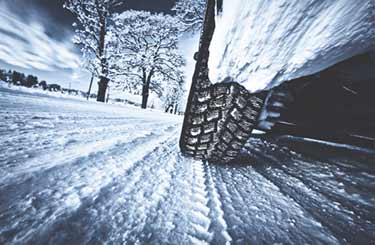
263, 43
78, 172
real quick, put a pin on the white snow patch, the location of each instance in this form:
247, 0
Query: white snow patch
263, 43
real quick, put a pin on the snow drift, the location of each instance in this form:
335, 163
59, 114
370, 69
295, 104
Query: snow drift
263, 43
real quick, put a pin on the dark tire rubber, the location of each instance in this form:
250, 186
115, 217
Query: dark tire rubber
219, 121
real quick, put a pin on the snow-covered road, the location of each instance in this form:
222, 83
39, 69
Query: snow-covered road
74, 172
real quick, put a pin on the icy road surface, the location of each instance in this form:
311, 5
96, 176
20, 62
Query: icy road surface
74, 172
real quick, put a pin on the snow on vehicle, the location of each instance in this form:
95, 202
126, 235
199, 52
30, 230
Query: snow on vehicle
264, 58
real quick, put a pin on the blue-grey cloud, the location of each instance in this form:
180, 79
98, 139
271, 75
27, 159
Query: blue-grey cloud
26, 44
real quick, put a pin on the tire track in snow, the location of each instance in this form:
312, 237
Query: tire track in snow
49, 140
155, 185
339, 223
348, 204
218, 224
324, 186
335, 178
122, 208
238, 212
182, 215
23, 126
188, 217
200, 219
55, 197
84, 147
256, 211
235, 208
157, 225
59, 138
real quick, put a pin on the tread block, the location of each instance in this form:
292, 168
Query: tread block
195, 131
256, 103
241, 102
237, 145
232, 153
202, 147
219, 91
204, 96
190, 147
236, 114
227, 137
246, 126
241, 135
209, 127
192, 141
250, 113
201, 152
213, 115
197, 120
218, 102
232, 127
206, 138
222, 146
199, 108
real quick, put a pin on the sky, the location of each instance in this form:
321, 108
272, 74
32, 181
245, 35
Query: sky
36, 38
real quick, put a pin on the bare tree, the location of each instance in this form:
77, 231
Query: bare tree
191, 14
148, 54
91, 34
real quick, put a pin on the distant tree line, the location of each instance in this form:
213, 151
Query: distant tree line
31, 81
20, 79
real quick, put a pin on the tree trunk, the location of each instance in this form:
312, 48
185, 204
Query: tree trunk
102, 89
103, 83
107, 98
219, 7
146, 87
89, 92
167, 109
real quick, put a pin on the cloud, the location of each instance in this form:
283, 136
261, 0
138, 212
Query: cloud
25, 44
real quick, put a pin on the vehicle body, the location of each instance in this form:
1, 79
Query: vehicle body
268, 89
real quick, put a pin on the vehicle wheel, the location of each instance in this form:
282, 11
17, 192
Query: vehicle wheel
277, 102
219, 120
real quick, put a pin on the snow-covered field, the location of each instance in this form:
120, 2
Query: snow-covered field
77, 172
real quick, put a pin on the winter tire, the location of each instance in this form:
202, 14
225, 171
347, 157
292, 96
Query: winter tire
219, 121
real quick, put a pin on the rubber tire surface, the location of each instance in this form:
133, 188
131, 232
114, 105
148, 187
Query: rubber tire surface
219, 122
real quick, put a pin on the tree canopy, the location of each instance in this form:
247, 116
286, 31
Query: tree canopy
147, 52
